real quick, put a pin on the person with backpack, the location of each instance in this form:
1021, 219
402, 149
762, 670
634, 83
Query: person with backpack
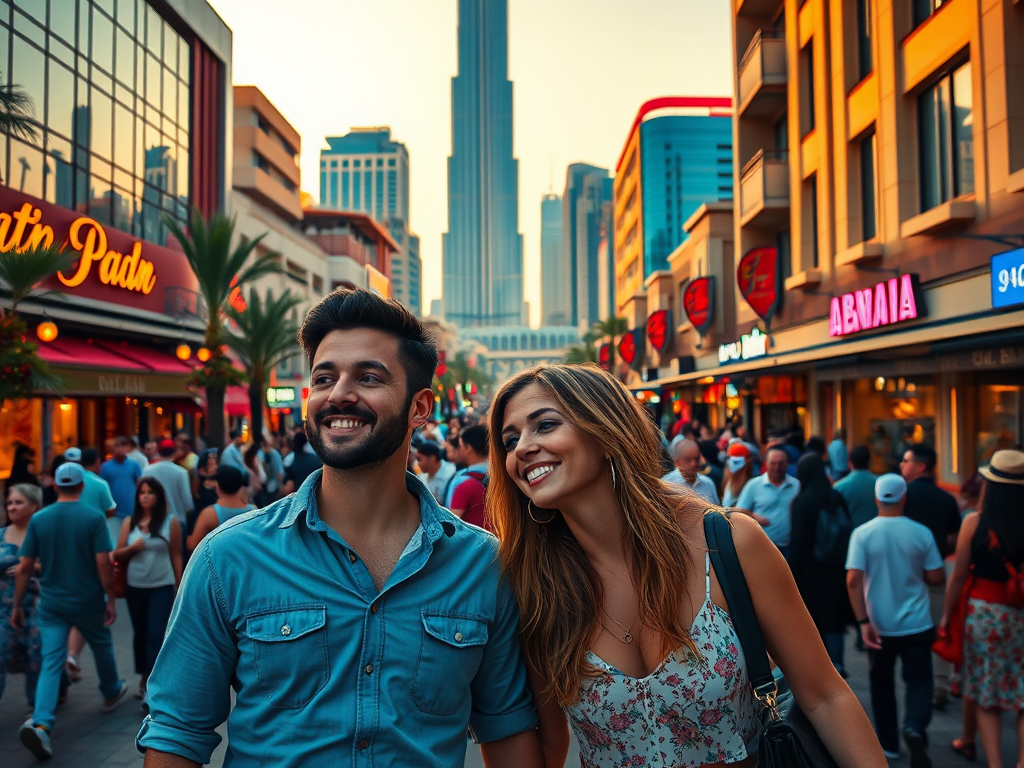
891, 562
820, 534
990, 549
468, 496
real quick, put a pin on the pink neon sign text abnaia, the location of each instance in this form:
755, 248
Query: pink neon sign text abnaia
893, 301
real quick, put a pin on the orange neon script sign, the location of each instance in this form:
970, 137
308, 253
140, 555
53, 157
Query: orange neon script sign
87, 236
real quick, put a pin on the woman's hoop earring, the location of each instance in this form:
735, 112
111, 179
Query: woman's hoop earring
612, 465
529, 511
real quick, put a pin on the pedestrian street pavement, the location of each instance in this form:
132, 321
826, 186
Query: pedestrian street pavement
85, 738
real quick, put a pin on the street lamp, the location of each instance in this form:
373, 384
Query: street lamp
183, 352
47, 330
203, 354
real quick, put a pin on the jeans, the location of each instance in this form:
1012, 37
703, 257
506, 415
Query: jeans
54, 630
915, 652
834, 642
150, 609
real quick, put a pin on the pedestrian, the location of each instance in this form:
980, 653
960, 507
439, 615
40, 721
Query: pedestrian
122, 475
304, 462
858, 487
23, 500
274, 466
136, 455
990, 548
231, 502
185, 456
257, 475
436, 471
468, 463
616, 593
468, 498
738, 471
939, 511
232, 453
150, 451
49, 489
21, 466
385, 630
891, 562
150, 542
686, 456
768, 497
174, 480
204, 492
72, 544
819, 540
838, 459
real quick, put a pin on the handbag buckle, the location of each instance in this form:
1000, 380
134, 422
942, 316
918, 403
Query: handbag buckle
767, 694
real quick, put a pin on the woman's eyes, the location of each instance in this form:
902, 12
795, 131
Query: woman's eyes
544, 426
510, 443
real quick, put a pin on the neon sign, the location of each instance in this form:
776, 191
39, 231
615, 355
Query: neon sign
277, 397
893, 301
128, 271
750, 345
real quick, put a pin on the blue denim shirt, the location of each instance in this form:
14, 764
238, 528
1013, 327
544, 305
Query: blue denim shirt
326, 669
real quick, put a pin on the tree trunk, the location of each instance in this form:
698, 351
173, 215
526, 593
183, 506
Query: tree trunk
255, 409
215, 417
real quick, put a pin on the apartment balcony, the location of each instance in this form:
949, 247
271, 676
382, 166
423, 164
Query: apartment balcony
762, 75
764, 191
756, 7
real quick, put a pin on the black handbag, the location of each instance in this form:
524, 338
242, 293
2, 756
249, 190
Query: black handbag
787, 738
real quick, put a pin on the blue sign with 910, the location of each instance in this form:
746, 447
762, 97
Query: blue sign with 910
1008, 278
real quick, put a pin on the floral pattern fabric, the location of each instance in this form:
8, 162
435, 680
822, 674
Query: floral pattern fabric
21, 650
687, 712
994, 655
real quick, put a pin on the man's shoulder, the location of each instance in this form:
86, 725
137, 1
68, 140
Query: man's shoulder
467, 537
255, 527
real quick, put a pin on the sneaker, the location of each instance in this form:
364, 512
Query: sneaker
36, 739
891, 754
109, 705
74, 669
918, 751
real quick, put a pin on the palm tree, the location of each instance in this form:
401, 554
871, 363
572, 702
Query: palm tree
16, 113
22, 272
464, 373
582, 353
266, 339
219, 269
609, 328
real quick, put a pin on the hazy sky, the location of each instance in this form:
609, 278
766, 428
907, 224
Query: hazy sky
580, 69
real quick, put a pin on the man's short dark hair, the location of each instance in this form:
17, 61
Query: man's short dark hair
476, 438
860, 457
430, 448
122, 440
299, 441
924, 454
346, 309
90, 456
235, 434
815, 445
230, 479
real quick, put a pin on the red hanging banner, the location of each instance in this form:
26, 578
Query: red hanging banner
627, 346
659, 329
757, 277
604, 357
699, 303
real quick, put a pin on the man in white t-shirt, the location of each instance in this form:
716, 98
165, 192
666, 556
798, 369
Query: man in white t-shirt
890, 564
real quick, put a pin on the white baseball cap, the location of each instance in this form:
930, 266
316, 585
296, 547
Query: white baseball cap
890, 488
73, 454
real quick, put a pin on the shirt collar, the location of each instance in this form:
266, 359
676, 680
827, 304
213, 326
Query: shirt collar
433, 522
788, 480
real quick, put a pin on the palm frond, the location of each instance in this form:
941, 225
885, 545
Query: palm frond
266, 331
17, 111
21, 272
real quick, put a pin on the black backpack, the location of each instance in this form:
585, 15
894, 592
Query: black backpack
832, 536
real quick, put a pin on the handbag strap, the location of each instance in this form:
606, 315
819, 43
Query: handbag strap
722, 550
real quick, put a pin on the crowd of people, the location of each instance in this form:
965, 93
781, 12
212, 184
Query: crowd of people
395, 619
138, 514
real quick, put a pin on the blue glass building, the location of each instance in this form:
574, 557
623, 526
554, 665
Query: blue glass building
482, 249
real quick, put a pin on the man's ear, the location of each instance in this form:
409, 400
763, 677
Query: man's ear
421, 407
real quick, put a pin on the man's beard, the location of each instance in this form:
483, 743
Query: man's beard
385, 437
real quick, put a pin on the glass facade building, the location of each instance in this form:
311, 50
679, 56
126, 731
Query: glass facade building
686, 161
109, 81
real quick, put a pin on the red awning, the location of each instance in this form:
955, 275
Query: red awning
80, 353
236, 401
155, 360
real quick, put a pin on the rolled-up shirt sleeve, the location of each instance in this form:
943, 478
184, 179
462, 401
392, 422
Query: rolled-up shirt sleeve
502, 704
190, 688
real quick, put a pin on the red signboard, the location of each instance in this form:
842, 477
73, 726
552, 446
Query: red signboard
627, 346
113, 267
699, 303
659, 329
442, 363
758, 280
604, 356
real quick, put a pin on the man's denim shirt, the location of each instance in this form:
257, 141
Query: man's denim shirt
326, 670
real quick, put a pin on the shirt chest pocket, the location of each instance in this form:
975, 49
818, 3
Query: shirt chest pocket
289, 650
451, 649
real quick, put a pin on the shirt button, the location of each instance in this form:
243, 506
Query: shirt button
368, 669
351, 557
363, 744
373, 608
286, 630
458, 637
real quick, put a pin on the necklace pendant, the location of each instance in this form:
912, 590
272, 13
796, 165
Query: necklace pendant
627, 638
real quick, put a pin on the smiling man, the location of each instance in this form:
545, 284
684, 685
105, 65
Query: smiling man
356, 620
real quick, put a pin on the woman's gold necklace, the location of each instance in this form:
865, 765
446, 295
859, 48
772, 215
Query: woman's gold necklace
627, 637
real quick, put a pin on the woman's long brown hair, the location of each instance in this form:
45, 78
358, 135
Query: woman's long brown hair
559, 593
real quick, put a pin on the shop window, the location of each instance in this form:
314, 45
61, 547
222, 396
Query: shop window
868, 187
999, 420
945, 138
889, 414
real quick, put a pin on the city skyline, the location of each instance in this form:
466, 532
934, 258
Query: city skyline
559, 120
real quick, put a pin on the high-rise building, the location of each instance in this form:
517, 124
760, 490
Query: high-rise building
365, 170
554, 291
587, 188
406, 267
482, 249
678, 156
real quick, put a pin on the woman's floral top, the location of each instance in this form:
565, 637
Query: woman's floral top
687, 712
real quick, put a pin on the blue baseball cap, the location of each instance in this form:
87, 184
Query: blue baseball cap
69, 474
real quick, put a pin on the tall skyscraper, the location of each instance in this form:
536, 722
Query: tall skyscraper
554, 289
587, 189
482, 249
